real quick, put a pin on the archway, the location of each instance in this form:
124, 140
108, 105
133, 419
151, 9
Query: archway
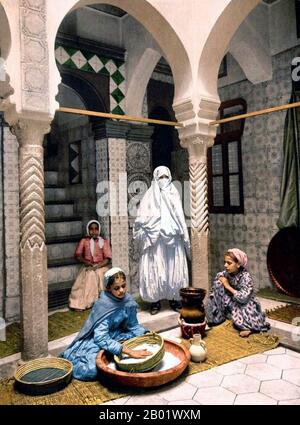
217, 43
5, 45
148, 16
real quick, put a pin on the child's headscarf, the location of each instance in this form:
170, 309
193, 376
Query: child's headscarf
92, 241
240, 255
111, 272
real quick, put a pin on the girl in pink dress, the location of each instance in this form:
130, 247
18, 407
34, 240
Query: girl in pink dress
94, 253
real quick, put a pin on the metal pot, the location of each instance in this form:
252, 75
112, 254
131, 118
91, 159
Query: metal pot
192, 304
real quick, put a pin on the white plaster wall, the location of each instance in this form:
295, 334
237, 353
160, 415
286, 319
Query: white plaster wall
4, 34
274, 29
95, 25
13, 62
234, 72
282, 22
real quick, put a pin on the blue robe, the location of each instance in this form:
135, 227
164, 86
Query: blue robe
111, 320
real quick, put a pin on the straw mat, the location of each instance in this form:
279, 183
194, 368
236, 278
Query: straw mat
223, 345
285, 314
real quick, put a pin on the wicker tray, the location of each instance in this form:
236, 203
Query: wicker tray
149, 362
43, 376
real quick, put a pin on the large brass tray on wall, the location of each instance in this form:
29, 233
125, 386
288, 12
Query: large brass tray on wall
283, 260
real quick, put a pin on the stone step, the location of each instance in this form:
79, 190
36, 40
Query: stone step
68, 218
59, 251
63, 239
58, 295
61, 262
55, 194
62, 273
63, 229
59, 210
51, 177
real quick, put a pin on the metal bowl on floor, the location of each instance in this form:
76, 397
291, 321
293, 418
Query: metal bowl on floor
153, 378
43, 376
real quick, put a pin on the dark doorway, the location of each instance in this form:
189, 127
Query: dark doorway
162, 137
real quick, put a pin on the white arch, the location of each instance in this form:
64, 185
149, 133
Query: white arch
5, 36
139, 80
5, 46
217, 43
147, 15
252, 56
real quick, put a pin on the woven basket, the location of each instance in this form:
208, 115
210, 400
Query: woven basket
149, 362
43, 376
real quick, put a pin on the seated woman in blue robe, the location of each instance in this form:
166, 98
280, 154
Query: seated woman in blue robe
113, 319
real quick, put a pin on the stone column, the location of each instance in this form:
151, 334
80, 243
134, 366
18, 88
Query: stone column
197, 136
33, 252
111, 149
197, 148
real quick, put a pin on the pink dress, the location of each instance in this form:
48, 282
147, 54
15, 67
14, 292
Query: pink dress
89, 282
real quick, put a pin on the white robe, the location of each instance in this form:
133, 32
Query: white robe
162, 236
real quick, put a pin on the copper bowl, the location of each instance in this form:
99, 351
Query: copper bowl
145, 379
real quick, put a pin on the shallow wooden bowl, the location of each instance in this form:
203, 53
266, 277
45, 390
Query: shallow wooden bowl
146, 379
43, 376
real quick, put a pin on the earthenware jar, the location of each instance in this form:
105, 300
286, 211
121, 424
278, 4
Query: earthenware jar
192, 310
198, 349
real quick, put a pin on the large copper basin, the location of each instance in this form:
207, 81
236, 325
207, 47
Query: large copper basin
146, 379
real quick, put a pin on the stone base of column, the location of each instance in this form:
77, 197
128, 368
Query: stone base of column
34, 312
199, 245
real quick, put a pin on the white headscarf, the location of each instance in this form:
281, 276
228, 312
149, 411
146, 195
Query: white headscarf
111, 272
160, 213
92, 241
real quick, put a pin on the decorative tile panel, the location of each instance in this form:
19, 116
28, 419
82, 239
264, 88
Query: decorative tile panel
90, 62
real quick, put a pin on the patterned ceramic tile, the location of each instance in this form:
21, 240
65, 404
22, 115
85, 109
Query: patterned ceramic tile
86, 61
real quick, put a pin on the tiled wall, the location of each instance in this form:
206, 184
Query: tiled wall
1, 230
90, 62
262, 169
11, 216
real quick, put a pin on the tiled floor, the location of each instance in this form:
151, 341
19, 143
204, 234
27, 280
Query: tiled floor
270, 378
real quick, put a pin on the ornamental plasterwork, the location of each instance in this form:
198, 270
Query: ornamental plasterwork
34, 55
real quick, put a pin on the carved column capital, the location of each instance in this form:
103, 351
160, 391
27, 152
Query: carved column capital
197, 146
30, 132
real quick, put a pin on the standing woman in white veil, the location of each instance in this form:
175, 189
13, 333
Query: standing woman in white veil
163, 242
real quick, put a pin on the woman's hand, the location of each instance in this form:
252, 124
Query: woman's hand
225, 282
136, 354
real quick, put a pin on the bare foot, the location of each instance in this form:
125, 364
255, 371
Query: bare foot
245, 333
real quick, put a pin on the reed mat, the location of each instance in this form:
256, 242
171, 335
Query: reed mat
223, 345
285, 313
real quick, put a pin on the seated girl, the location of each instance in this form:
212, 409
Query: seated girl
94, 253
232, 297
112, 320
